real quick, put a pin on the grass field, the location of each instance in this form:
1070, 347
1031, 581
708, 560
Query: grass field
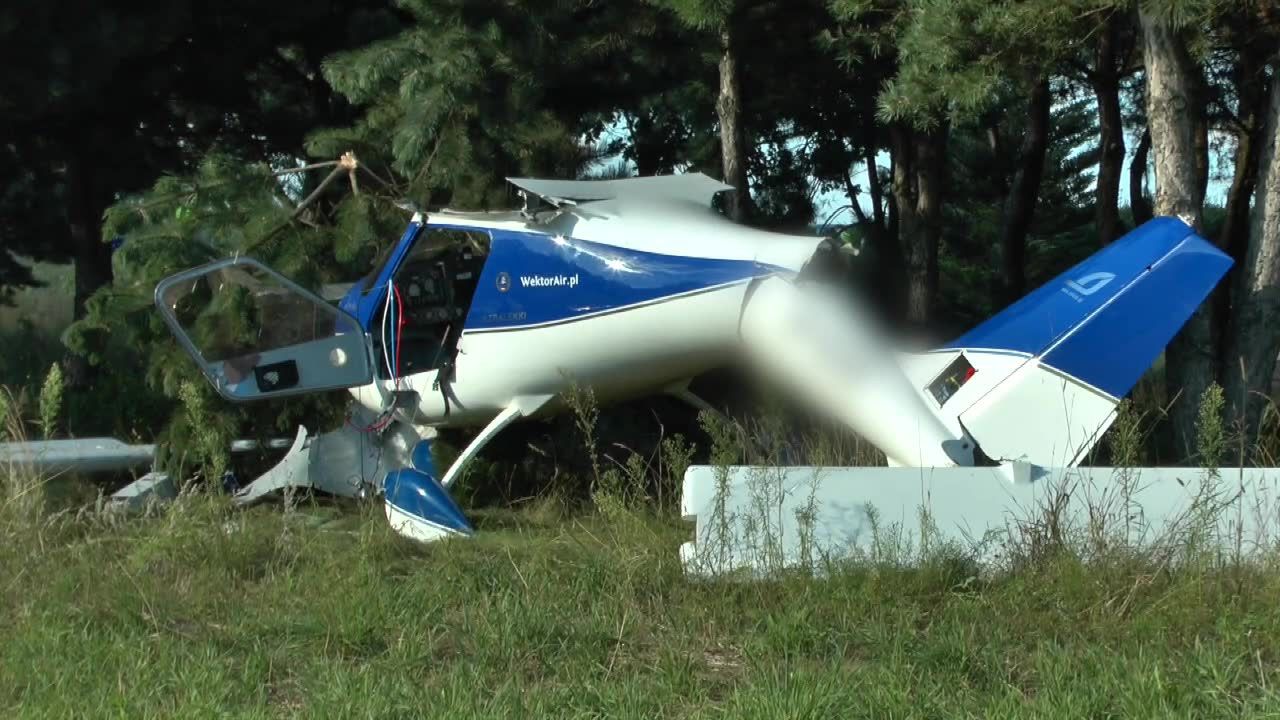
205, 611
321, 612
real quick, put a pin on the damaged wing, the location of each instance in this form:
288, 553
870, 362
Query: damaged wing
694, 187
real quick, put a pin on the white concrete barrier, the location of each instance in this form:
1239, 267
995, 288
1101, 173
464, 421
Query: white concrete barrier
762, 519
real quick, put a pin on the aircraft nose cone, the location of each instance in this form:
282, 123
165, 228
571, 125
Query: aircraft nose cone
423, 502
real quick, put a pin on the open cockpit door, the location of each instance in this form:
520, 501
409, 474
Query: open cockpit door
257, 335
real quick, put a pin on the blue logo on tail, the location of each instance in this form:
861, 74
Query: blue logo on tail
1088, 285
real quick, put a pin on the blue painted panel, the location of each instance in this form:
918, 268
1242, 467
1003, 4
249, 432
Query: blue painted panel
1124, 303
365, 303
421, 495
532, 278
1114, 349
421, 458
1033, 323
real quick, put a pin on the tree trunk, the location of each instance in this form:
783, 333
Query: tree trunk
1175, 111
888, 279
903, 220
875, 225
1253, 93
873, 173
1256, 338
1251, 89
1106, 87
1200, 138
851, 191
894, 267
892, 199
1139, 205
931, 159
733, 144
919, 165
86, 203
1021, 203
645, 144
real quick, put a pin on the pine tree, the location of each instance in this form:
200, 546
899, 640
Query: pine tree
99, 98
464, 94
723, 20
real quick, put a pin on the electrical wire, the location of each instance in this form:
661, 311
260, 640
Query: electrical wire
399, 332
386, 310
388, 340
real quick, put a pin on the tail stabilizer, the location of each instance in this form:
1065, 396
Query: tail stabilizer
1052, 367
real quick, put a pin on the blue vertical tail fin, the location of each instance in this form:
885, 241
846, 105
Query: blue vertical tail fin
1086, 337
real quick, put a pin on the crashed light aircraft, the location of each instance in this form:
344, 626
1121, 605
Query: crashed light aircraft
634, 287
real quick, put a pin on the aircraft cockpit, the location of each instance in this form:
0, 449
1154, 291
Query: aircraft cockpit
433, 288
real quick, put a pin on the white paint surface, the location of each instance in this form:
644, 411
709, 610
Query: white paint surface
416, 528
786, 517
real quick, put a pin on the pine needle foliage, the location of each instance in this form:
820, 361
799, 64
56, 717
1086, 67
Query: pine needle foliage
465, 94
475, 91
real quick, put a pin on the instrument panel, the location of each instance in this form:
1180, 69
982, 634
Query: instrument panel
426, 291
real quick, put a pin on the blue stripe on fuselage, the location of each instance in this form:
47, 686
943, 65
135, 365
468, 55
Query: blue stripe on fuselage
536, 279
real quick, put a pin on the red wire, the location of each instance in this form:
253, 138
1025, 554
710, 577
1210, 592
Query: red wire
371, 428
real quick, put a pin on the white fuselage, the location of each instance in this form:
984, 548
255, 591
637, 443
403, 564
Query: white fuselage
618, 355
632, 299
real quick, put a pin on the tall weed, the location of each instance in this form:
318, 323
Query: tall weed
22, 497
1211, 431
51, 401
